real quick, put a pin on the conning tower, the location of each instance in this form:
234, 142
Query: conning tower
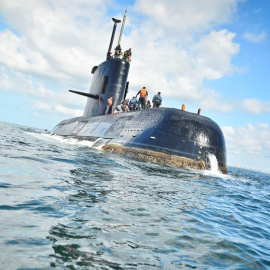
109, 80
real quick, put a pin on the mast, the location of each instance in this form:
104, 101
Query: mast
113, 32
122, 28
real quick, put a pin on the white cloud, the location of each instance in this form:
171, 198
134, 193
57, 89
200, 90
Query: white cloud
185, 16
21, 83
215, 52
67, 111
255, 37
43, 106
56, 109
55, 39
248, 146
255, 106
212, 100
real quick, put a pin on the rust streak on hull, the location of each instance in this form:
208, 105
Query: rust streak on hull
157, 157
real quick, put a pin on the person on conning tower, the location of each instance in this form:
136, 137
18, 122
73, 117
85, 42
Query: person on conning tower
127, 55
117, 51
109, 55
109, 105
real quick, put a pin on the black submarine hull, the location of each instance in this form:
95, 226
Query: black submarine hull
160, 130
164, 135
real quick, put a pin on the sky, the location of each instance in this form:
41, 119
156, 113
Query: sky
208, 54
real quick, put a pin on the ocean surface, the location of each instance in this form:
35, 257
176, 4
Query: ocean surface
65, 204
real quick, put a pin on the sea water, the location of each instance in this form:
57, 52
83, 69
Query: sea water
65, 204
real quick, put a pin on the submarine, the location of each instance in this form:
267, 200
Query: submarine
163, 135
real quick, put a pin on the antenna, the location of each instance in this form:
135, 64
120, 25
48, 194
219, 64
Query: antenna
113, 32
122, 28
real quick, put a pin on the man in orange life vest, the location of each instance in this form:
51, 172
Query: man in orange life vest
143, 96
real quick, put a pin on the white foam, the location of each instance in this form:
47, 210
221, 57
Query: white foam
214, 170
213, 162
98, 143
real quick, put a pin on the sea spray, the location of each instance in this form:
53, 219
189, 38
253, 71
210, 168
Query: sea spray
213, 163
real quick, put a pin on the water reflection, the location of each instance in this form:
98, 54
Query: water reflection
120, 219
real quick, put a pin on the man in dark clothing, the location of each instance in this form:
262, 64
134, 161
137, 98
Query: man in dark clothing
127, 55
143, 96
157, 100
117, 51
109, 55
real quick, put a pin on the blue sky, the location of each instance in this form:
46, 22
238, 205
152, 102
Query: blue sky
212, 55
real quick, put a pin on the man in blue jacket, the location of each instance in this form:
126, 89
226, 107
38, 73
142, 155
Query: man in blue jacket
157, 100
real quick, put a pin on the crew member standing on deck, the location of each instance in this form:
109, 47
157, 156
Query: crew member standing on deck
132, 104
157, 100
109, 105
143, 96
